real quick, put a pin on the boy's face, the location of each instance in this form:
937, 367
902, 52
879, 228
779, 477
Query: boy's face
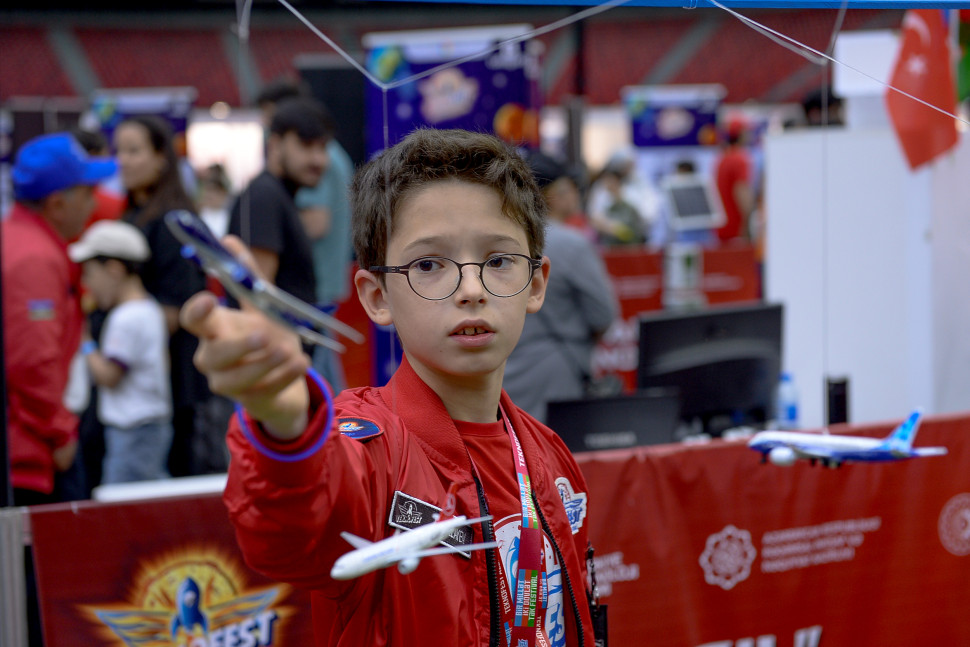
468, 335
102, 281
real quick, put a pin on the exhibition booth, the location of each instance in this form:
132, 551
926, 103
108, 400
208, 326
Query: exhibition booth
697, 544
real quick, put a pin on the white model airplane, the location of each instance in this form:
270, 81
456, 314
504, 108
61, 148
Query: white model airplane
785, 447
406, 548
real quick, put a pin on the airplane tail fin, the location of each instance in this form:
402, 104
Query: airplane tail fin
902, 437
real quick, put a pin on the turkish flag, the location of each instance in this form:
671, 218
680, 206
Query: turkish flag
924, 69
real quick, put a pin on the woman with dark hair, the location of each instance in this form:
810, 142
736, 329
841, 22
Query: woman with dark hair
150, 172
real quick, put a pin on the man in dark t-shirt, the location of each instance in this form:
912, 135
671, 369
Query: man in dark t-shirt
265, 216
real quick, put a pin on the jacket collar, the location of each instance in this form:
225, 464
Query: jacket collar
425, 416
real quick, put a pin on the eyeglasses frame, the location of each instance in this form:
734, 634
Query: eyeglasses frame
534, 264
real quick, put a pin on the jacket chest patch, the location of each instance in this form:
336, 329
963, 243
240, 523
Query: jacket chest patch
408, 512
358, 428
574, 503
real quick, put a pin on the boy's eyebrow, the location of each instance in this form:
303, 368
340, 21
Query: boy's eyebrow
431, 241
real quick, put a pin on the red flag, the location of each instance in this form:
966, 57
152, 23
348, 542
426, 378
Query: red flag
924, 69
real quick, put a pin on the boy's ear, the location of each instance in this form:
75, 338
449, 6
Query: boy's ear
371, 295
537, 289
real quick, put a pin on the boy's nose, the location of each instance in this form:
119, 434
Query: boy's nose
470, 286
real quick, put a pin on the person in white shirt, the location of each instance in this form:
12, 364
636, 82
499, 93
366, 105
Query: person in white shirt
130, 366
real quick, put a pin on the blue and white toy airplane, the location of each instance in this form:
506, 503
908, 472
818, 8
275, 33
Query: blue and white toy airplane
785, 447
202, 247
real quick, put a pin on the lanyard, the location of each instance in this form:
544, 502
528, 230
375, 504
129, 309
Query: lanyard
530, 590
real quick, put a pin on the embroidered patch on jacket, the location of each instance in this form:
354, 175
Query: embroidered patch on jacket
40, 309
358, 428
574, 503
408, 512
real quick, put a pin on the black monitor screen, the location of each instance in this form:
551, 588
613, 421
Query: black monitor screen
690, 200
691, 203
724, 361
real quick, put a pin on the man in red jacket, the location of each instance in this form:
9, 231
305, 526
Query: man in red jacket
448, 230
53, 180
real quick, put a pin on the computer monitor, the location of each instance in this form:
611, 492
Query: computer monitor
724, 361
648, 417
691, 203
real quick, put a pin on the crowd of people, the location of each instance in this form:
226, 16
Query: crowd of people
123, 359
295, 217
106, 391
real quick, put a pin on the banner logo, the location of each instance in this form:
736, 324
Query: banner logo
193, 597
954, 525
728, 557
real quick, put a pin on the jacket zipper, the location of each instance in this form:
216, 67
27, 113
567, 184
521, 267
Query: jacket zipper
565, 573
494, 619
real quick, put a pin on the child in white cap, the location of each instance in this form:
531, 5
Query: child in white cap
131, 365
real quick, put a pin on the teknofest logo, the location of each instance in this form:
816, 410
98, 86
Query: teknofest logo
193, 598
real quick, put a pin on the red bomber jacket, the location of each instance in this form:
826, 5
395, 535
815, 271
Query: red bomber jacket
42, 323
399, 445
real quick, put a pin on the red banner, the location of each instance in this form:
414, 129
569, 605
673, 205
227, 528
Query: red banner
156, 573
702, 545
730, 275
696, 545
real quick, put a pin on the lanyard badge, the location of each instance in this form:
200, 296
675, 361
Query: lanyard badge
531, 588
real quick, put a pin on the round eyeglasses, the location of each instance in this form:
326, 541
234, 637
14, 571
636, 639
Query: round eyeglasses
436, 278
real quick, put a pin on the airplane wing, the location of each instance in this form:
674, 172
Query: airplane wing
441, 550
354, 540
217, 261
812, 451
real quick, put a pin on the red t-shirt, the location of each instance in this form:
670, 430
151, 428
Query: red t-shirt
734, 168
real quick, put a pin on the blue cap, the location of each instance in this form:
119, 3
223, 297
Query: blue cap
52, 163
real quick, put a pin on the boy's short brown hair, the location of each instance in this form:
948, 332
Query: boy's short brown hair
428, 155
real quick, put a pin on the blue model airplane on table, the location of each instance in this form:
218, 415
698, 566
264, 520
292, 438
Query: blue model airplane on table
785, 447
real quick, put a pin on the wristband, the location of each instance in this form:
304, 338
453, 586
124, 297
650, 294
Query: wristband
88, 347
309, 451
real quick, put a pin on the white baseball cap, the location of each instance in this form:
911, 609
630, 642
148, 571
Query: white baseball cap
113, 239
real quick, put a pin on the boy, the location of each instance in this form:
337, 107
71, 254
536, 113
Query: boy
131, 368
436, 200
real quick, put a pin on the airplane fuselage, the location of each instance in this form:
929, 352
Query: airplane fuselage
394, 549
844, 445
785, 447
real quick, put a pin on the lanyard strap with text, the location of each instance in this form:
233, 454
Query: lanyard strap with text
530, 589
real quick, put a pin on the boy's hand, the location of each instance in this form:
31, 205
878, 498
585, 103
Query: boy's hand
250, 358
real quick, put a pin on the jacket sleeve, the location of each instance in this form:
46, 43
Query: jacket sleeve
38, 307
288, 515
